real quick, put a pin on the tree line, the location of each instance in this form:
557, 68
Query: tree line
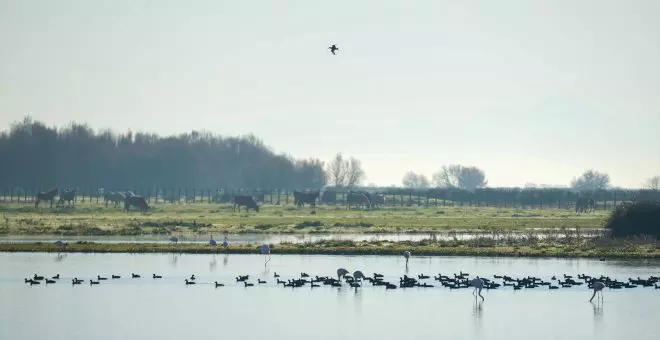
34, 155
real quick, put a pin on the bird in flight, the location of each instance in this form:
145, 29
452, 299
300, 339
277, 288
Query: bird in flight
333, 48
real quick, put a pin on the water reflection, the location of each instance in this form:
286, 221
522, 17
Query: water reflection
598, 311
225, 260
173, 260
59, 257
213, 264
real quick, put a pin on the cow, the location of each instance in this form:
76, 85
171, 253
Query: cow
69, 196
329, 197
585, 205
300, 198
46, 196
136, 201
114, 197
377, 200
358, 199
246, 201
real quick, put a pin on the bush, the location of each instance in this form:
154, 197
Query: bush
638, 218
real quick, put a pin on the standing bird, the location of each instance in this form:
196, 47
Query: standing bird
597, 287
406, 254
358, 275
225, 244
333, 48
212, 242
478, 285
174, 239
265, 249
341, 272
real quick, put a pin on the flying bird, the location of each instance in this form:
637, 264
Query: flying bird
333, 48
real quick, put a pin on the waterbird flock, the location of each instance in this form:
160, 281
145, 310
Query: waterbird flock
359, 280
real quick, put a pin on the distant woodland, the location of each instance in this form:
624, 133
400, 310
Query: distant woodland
35, 155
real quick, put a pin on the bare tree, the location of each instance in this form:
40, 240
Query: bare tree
344, 172
337, 171
354, 174
591, 180
416, 181
458, 176
653, 183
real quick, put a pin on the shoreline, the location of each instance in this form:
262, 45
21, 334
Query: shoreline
587, 249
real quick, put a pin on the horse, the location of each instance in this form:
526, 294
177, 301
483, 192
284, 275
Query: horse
114, 197
69, 196
300, 198
46, 196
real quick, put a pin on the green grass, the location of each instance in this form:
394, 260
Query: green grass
96, 219
530, 247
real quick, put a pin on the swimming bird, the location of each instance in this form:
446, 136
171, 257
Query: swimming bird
406, 254
333, 48
219, 284
116, 276
50, 281
56, 277
135, 276
98, 277
190, 282
157, 276
261, 281
597, 287
38, 278
192, 277
248, 284
92, 282
276, 275
478, 285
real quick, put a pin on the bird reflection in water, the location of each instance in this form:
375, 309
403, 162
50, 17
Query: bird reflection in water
174, 259
598, 311
477, 309
59, 257
213, 264
225, 260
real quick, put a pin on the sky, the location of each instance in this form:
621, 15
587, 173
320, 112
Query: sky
528, 90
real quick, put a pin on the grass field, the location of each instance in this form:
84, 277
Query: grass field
96, 219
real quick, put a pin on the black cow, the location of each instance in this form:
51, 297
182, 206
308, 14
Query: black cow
246, 201
329, 197
300, 198
46, 196
68, 196
358, 199
377, 200
136, 201
585, 205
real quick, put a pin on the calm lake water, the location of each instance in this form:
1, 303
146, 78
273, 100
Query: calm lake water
168, 309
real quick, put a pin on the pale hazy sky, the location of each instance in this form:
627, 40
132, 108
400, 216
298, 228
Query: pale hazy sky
528, 90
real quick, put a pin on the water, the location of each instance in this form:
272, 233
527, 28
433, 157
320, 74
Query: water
298, 238
168, 309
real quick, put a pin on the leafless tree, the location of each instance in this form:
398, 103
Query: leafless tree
458, 176
415, 181
653, 183
591, 180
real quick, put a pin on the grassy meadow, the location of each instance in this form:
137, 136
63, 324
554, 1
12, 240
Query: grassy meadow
93, 219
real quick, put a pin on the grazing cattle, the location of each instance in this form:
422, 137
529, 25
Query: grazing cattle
357, 199
136, 201
329, 197
377, 200
114, 197
68, 196
46, 196
300, 198
246, 201
585, 205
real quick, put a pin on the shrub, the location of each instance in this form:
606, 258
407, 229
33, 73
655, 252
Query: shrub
638, 218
